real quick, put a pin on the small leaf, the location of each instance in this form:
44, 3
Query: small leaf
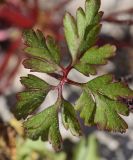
38, 52
91, 10
71, 35
28, 102
85, 68
97, 55
103, 85
106, 116
37, 65
82, 35
33, 82
97, 18
86, 106
81, 23
99, 104
45, 125
69, 118
39, 47
94, 56
32, 98
91, 37
34, 39
53, 49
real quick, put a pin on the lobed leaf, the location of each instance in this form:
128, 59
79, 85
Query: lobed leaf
53, 49
70, 30
45, 125
85, 68
99, 104
34, 39
32, 98
69, 118
94, 56
39, 47
38, 53
81, 22
90, 38
97, 55
104, 85
37, 65
33, 82
28, 102
107, 117
82, 34
91, 10
86, 106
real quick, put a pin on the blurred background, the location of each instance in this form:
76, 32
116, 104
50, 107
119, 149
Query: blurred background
47, 15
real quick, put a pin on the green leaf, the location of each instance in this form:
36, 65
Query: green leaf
32, 98
99, 103
69, 118
37, 65
86, 106
53, 49
90, 38
28, 102
93, 149
70, 29
91, 10
82, 34
33, 82
27, 147
94, 56
107, 117
81, 22
34, 39
87, 149
45, 125
104, 85
85, 68
38, 53
93, 27
38, 46
80, 150
97, 55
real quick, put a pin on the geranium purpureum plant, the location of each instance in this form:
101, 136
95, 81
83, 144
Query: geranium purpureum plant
100, 102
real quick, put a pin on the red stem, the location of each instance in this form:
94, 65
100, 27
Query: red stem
16, 18
127, 11
112, 18
11, 76
63, 79
10, 52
